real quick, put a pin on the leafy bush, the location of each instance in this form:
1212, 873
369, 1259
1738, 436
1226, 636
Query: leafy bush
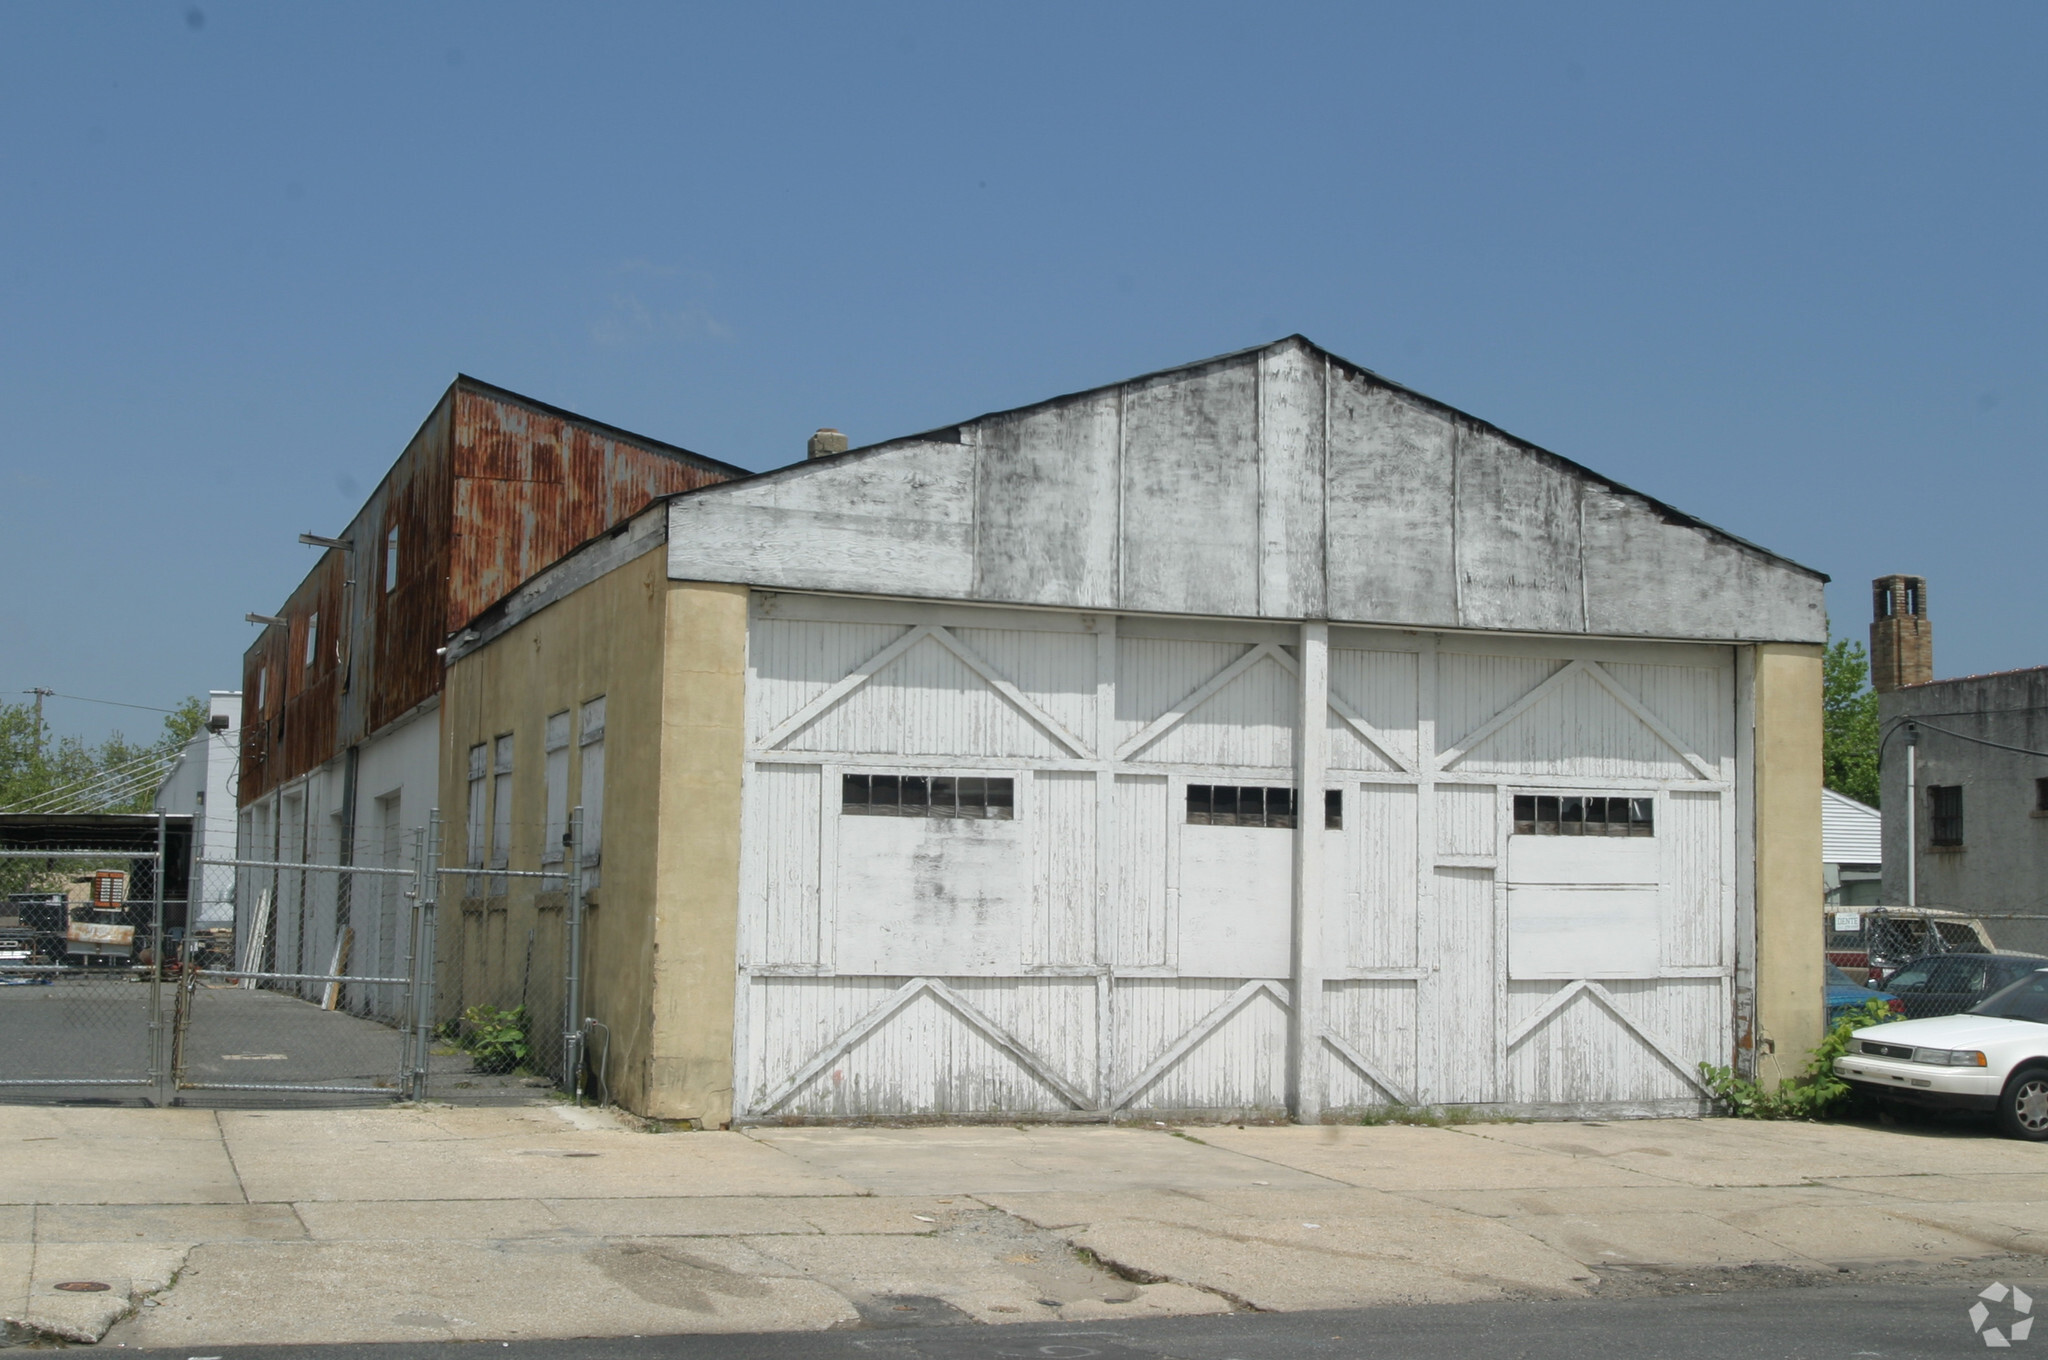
1815, 1093
496, 1039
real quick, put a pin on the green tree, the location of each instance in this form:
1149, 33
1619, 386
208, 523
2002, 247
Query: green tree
67, 774
1848, 723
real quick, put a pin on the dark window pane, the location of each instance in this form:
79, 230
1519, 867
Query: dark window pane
1640, 821
1279, 808
853, 795
1947, 800
885, 795
945, 796
917, 795
1198, 804
1002, 799
1571, 815
973, 796
1223, 804
1546, 814
1333, 809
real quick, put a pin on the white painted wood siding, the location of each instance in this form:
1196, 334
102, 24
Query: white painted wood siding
1098, 954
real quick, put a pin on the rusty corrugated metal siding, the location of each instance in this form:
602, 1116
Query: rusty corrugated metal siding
492, 488
532, 484
299, 714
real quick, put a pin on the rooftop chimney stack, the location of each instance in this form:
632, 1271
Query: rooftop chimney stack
1901, 640
827, 441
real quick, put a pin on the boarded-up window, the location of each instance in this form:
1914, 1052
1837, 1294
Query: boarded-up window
312, 637
501, 802
557, 779
479, 811
592, 789
391, 560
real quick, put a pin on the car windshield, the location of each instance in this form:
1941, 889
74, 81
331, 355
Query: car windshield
2026, 999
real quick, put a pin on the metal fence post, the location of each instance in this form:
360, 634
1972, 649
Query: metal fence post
156, 963
572, 1030
425, 964
408, 1032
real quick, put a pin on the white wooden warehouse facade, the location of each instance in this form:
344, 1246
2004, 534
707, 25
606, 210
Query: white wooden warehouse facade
1097, 952
1027, 703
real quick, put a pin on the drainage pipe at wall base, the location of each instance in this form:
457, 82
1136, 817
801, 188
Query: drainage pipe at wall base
572, 1017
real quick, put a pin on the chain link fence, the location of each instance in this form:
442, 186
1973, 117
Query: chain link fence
508, 944
82, 940
343, 974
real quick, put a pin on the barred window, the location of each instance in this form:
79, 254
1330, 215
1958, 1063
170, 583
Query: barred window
1946, 802
1578, 814
944, 796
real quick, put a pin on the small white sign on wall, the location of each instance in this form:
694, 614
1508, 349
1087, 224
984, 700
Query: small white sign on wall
1848, 922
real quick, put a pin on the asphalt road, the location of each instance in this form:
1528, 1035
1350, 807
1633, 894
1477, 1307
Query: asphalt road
1783, 1324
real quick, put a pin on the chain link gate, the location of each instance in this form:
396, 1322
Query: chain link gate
81, 978
275, 1022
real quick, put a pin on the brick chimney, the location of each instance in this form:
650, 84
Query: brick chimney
825, 442
1901, 640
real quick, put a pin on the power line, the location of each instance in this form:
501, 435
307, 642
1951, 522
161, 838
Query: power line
41, 694
1897, 723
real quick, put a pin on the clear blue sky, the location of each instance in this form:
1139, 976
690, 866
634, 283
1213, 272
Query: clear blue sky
1781, 265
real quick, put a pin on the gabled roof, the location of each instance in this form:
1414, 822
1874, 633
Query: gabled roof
1276, 482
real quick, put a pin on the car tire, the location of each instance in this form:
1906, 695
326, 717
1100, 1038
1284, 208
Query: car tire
2023, 1105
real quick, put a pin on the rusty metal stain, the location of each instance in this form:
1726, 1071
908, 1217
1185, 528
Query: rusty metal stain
530, 485
491, 489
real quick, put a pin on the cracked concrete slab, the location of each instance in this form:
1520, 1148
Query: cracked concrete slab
973, 1158
127, 1157
430, 1223
307, 1293
129, 1271
1407, 1158
522, 1153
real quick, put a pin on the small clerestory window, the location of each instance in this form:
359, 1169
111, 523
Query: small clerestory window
1255, 805
1581, 814
945, 796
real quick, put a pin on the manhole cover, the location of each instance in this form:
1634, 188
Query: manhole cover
83, 1286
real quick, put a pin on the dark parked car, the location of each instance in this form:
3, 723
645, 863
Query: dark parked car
1943, 984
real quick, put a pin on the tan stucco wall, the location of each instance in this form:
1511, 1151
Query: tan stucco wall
1788, 855
703, 747
607, 639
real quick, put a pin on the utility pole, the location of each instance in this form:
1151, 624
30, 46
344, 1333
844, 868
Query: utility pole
40, 694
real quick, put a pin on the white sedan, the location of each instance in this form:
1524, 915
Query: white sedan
1991, 1057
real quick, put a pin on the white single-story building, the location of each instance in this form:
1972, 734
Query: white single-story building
1257, 736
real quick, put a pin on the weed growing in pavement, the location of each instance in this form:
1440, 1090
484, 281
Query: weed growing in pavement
496, 1039
1427, 1116
1815, 1093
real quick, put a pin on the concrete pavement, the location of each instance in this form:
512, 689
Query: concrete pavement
215, 1228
